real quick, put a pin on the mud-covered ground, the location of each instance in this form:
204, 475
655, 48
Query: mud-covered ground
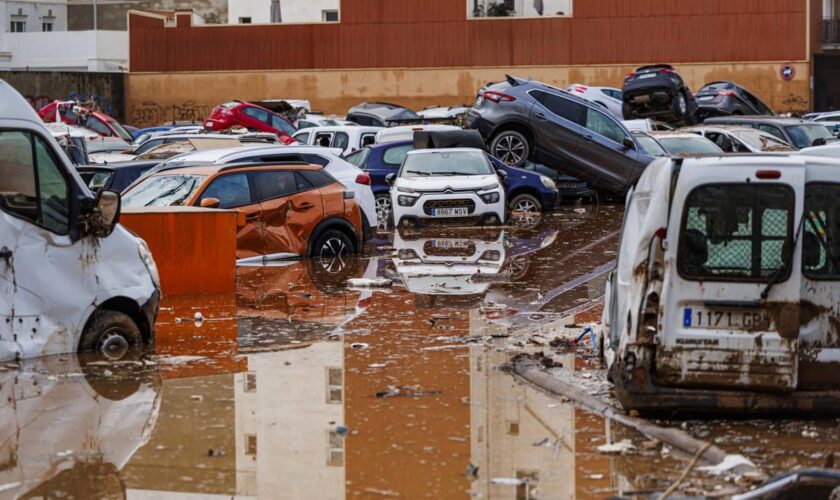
299, 386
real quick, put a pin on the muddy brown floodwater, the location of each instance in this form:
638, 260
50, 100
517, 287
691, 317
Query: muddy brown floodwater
299, 387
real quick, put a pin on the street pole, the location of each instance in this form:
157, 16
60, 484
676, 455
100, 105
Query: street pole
94, 15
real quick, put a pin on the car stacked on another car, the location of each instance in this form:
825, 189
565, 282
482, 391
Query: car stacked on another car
794, 131
606, 97
727, 98
251, 117
289, 210
73, 113
658, 91
457, 185
523, 119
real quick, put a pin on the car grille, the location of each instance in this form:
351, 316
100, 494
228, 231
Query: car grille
430, 249
429, 205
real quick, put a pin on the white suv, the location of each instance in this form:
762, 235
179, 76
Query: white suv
457, 184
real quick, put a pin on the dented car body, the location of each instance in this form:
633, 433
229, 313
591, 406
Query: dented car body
727, 288
71, 278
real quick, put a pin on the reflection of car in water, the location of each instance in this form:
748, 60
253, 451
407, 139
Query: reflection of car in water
67, 434
448, 264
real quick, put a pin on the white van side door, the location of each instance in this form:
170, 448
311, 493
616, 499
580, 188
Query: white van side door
53, 278
819, 359
730, 233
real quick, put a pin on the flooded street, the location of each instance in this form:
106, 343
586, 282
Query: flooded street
299, 386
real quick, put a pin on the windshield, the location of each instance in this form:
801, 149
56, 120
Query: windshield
650, 145
689, 146
107, 145
762, 141
359, 158
446, 163
121, 131
804, 136
163, 191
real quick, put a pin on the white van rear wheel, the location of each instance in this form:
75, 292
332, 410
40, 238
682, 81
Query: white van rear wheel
111, 333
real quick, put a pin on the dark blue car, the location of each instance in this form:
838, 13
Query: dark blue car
526, 191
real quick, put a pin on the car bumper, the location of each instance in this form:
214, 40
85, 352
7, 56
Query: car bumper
420, 213
573, 190
549, 198
476, 122
150, 311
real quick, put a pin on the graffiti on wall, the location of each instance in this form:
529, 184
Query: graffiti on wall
796, 104
150, 113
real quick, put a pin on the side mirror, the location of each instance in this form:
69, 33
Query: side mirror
502, 174
390, 178
103, 218
819, 141
210, 203
628, 143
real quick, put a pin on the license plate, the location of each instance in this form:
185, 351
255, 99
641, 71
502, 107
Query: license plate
570, 185
448, 244
706, 98
750, 320
647, 75
450, 212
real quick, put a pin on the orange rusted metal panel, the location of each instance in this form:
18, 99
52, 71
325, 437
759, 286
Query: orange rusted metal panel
195, 249
437, 34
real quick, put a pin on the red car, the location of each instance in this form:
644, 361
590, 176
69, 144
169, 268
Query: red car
252, 117
100, 123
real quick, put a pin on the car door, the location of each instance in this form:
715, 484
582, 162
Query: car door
256, 119
725, 326
774, 131
558, 124
44, 281
819, 336
291, 208
235, 192
608, 161
391, 160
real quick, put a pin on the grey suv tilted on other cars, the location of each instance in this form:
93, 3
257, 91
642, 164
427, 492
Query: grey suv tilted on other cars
523, 120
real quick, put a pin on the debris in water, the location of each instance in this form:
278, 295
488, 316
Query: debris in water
359, 345
623, 447
369, 283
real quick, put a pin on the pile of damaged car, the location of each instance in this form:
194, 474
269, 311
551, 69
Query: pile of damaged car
590, 284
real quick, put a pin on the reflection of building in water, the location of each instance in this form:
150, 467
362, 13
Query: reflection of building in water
288, 407
512, 427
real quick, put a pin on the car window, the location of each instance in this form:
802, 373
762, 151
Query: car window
736, 232
804, 136
323, 139
302, 137
367, 140
280, 123
317, 178
162, 191
722, 141
604, 126
271, 185
302, 183
395, 156
688, 145
32, 185
257, 113
151, 143
650, 145
342, 140
231, 190
562, 107
773, 130
821, 237
446, 163
359, 158
97, 126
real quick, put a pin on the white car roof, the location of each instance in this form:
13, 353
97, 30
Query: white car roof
770, 160
341, 128
223, 154
416, 152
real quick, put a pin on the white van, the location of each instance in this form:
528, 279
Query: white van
70, 277
726, 296
406, 132
346, 138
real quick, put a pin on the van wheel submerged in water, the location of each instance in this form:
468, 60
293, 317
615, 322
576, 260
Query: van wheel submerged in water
110, 333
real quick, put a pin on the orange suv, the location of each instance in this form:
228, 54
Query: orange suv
286, 210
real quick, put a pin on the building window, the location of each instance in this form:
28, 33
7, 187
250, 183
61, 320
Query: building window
335, 386
244, 20
46, 26
525, 490
335, 449
479, 9
18, 26
329, 16
251, 382
251, 444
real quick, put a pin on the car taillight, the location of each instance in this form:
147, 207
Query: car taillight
497, 97
667, 70
580, 89
629, 75
768, 174
727, 93
363, 179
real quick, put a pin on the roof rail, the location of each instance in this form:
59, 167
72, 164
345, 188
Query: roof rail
234, 166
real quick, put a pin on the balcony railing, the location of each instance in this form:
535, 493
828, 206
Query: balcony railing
831, 31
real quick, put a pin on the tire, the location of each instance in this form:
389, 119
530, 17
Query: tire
511, 147
679, 106
525, 203
332, 279
111, 334
384, 211
333, 244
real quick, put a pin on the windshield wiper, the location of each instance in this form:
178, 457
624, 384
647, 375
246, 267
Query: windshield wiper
452, 173
167, 193
417, 172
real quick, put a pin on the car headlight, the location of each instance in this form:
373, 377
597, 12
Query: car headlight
550, 184
149, 261
492, 255
491, 197
402, 189
488, 187
406, 201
